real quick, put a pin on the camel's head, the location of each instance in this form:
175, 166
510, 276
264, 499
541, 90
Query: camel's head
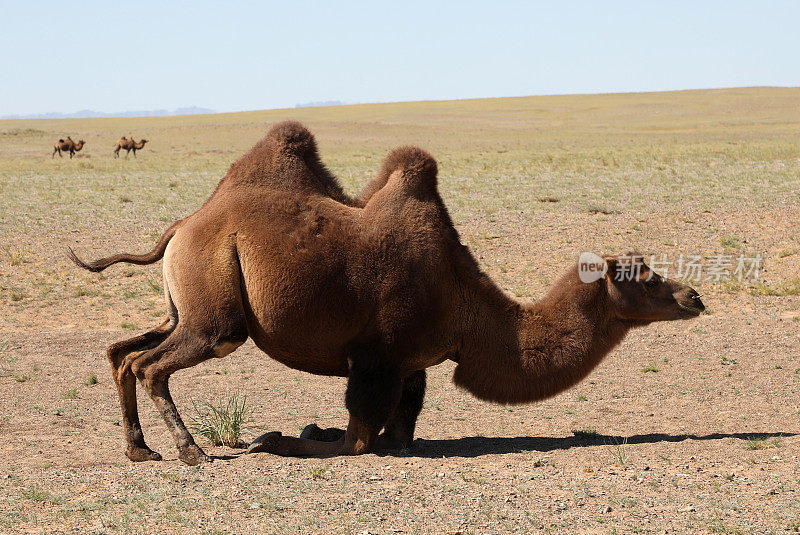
143, 141
641, 295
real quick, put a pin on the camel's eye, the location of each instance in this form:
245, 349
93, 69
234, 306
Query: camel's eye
652, 282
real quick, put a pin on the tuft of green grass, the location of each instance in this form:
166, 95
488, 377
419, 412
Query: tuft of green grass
130, 294
72, 393
15, 257
40, 495
718, 526
650, 369
620, 452
130, 326
154, 287
581, 397
80, 291
22, 378
597, 209
224, 423
758, 443
318, 472
730, 241
790, 287
91, 380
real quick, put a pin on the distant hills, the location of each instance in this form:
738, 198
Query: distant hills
191, 110
319, 103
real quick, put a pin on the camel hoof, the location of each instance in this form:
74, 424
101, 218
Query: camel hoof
193, 455
314, 432
265, 443
137, 454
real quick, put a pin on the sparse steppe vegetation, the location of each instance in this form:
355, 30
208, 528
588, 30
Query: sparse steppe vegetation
689, 427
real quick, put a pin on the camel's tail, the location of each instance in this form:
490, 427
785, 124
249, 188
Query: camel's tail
153, 256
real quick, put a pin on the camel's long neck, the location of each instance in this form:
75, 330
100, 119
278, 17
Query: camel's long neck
513, 353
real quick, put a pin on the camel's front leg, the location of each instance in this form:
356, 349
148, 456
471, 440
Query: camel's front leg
373, 393
399, 430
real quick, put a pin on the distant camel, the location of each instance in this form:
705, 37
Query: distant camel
67, 145
129, 145
375, 289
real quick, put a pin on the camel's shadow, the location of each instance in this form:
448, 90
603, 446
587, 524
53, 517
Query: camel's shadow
479, 446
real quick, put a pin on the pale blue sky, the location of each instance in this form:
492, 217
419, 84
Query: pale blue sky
230, 56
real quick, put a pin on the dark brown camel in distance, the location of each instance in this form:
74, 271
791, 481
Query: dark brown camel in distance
375, 289
67, 145
129, 145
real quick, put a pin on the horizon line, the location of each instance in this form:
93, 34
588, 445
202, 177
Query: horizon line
121, 115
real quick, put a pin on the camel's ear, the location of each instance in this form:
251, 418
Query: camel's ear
612, 261
619, 266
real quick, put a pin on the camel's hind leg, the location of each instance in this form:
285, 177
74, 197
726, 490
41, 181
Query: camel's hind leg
136, 448
185, 347
210, 324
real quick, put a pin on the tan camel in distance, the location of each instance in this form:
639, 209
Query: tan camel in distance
66, 145
375, 289
129, 145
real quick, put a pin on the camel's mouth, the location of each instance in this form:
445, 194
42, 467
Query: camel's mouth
693, 310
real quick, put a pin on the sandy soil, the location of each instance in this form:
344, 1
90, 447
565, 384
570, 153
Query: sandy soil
708, 443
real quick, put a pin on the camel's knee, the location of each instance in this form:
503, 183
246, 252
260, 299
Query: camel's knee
116, 353
137, 367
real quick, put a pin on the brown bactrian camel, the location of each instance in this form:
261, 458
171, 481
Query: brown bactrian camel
375, 289
129, 145
67, 145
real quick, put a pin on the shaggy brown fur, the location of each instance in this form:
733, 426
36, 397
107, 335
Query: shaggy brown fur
375, 289
129, 145
67, 145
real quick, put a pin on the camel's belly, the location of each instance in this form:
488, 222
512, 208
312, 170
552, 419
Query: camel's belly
311, 360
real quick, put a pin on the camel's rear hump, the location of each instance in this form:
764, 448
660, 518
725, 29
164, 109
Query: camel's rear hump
413, 168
